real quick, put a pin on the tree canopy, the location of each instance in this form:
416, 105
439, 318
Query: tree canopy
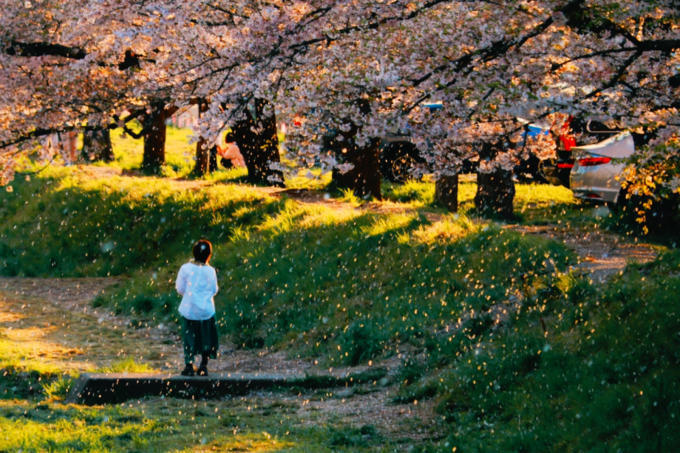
66, 65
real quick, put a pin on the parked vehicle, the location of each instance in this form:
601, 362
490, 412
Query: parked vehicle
597, 167
398, 155
558, 170
554, 170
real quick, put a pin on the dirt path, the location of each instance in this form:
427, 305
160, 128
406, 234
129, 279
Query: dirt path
57, 315
64, 306
601, 254
52, 322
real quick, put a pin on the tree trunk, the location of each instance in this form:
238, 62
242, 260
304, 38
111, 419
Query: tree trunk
201, 167
97, 145
202, 158
212, 159
154, 140
495, 194
364, 178
259, 149
446, 192
269, 147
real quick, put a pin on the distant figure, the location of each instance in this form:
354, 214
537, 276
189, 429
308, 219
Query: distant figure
231, 155
197, 284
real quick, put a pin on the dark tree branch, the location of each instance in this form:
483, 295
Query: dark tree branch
613, 80
42, 49
661, 45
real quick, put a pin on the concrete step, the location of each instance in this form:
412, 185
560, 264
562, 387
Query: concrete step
115, 388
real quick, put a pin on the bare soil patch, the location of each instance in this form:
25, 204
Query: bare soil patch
60, 315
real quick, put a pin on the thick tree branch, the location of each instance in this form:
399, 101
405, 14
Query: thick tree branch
43, 49
662, 45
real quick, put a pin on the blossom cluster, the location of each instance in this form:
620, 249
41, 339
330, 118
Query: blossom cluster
338, 64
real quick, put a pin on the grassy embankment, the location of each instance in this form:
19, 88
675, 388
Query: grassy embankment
571, 366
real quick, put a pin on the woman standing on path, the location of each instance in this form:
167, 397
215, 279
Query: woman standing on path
197, 284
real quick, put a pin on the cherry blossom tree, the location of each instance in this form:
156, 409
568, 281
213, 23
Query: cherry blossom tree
489, 65
74, 65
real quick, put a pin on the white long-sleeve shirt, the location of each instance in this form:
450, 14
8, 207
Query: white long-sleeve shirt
197, 284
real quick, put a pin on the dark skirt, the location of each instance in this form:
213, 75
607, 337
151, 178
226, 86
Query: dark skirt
200, 337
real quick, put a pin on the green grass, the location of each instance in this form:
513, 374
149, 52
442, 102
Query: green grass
156, 425
563, 365
355, 270
179, 151
114, 225
577, 368
373, 282
534, 204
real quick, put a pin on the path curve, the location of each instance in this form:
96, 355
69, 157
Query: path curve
600, 254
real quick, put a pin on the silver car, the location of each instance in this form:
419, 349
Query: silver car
597, 167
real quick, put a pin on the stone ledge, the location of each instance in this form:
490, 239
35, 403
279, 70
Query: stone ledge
115, 388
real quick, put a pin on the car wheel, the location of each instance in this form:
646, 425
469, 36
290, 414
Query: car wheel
396, 159
621, 203
401, 167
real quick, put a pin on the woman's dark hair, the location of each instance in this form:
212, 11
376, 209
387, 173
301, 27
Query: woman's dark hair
202, 250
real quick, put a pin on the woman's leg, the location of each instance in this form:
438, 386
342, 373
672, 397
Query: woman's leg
203, 367
189, 340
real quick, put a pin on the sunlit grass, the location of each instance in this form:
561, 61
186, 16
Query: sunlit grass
320, 216
415, 193
126, 365
310, 179
450, 228
348, 196
71, 429
384, 225
255, 442
542, 196
244, 424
